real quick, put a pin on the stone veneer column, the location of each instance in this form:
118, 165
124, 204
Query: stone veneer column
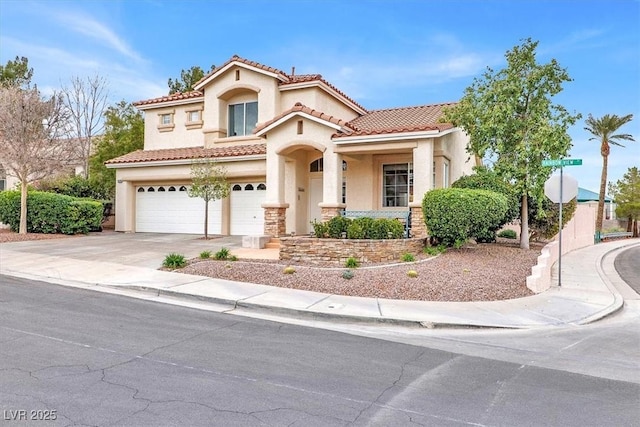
275, 221
418, 227
328, 212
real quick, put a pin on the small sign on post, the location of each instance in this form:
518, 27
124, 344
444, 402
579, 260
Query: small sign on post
553, 189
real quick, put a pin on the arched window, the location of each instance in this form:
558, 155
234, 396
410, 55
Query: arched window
161, 189
248, 187
316, 165
182, 188
172, 188
262, 187
237, 188
151, 189
141, 190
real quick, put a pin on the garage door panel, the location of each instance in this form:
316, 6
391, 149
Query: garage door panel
174, 212
247, 214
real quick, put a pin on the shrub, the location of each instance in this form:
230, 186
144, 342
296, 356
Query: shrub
545, 223
383, 228
174, 261
222, 254
356, 230
233, 258
408, 257
352, 263
289, 270
412, 273
320, 229
336, 226
455, 215
51, 213
205, 254
486, 179
348, 274
434, 250
507, 234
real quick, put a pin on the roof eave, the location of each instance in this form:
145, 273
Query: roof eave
206, 81
395, 136
178, 162
165, 104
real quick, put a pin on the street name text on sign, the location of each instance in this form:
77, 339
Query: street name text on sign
562, 162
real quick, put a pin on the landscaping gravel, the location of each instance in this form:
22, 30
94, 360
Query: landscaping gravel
483, 272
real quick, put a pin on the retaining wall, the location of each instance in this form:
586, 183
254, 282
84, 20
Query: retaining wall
314, 250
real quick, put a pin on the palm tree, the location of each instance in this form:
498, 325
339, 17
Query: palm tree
603, 130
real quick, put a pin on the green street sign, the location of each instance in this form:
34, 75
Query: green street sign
562, 162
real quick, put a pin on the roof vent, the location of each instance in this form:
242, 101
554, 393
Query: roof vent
293, 71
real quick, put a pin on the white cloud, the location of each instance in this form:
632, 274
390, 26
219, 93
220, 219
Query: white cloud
88, 26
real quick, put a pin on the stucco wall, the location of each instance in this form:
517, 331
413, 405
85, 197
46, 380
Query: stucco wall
317, 99
179, 135
577, 233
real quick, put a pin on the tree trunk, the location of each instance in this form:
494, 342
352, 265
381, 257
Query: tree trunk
524, 223
635, 228
629, 223
206, 220
603, 186
23, 206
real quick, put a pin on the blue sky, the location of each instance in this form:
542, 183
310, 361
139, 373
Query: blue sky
384, 53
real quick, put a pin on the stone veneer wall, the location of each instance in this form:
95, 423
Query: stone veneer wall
318, 251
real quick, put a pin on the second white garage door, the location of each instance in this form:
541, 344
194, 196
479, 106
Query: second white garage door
169, 209
247, 214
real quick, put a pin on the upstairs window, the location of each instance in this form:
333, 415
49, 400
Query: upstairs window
242, 118
165, 119
193, 116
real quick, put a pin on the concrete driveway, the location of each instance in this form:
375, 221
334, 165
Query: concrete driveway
134, 249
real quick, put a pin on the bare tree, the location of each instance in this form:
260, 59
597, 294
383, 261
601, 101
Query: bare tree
209, 183
32, 138
86, 102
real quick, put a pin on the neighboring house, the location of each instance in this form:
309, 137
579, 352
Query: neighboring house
296, 149
591, 198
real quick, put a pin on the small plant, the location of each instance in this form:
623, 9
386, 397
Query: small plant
233, 258
352, 263
408, 257
222, 254
205, 254
174, 261
459, 243
348, 274
289, 270
507, 234
434, 250
412, 273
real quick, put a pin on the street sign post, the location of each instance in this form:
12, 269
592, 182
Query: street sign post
551, 192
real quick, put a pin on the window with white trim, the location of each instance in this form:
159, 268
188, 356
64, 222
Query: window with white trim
397, 184
242, 118
445, 174
193, 116
166, 119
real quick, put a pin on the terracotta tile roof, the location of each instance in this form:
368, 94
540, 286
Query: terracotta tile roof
140, 156
173, 97
399, 120
298, 107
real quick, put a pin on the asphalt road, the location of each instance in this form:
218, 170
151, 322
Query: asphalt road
627, 264
89, 358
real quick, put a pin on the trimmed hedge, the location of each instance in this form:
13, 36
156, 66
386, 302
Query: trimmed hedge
51, 213
359, 228
454, 215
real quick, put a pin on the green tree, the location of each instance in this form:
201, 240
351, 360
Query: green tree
626, 194
511, 120
604, 130
16, 73
123, 133
209, 183
188, 78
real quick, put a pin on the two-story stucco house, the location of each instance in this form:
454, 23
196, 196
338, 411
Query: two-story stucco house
295, 148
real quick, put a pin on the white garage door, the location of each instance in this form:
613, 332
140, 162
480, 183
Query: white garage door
247, 214
169, 209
